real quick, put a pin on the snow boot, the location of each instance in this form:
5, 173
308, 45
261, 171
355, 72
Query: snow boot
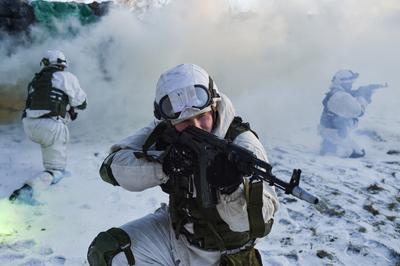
57, 175
356, 154
24, 195
46, 178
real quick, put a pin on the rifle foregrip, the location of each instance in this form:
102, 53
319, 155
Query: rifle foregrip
304, 195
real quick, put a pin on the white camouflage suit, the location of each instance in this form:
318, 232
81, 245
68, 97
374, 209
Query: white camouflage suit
52, 133
153, 238
349, 108
343, 106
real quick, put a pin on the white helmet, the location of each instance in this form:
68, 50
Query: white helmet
344, 76
183, 92
54, 57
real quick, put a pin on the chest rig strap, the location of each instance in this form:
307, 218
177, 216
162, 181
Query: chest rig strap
210, 232
152, 140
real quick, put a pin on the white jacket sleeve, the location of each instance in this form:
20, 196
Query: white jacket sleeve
132, 173
68, 82
233, 208
345, 105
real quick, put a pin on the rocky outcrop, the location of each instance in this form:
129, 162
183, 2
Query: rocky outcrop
16, 16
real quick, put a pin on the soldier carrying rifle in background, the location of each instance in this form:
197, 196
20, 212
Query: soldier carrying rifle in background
342, 109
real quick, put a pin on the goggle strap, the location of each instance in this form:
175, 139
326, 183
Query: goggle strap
213, 92
157, 112
59, 61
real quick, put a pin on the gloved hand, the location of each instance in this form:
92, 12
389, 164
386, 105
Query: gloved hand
223, 174
367, 91
73, 114
178, 161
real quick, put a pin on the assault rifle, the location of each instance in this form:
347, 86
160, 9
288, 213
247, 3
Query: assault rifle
367, 91
207, 146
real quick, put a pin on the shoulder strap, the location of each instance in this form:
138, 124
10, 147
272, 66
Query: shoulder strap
238, 127
329, 94
254, 199
152, 140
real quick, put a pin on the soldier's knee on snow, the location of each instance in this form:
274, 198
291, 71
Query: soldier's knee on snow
107, 245
106, 172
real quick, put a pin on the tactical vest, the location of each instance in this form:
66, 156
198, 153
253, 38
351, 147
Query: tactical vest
210, 232
332, 120
43, 96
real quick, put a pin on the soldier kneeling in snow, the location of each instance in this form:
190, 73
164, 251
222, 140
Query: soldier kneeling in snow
186, 233
53, 96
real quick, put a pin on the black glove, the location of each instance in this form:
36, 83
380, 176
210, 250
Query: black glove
72, 114
178, 161
223, 174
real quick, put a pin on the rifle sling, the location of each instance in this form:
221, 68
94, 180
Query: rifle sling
254, 194
151, 140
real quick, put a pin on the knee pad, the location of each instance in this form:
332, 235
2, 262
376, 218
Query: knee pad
107, 245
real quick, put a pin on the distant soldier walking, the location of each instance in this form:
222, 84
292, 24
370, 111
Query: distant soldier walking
53, 96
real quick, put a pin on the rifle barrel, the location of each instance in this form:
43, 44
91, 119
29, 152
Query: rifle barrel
297, 191
300, 193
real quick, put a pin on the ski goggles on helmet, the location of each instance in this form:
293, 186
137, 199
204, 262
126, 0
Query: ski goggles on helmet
46, 62
172, 105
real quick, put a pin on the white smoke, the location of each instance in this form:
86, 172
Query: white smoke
274, 59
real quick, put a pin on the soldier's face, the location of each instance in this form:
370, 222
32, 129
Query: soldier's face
347, 86
203, 121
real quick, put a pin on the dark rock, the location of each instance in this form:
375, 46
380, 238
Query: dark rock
393, 162
391, 218
354, 249
15, 16
334, 211
362, 229
371, 209
324, 254
392, 206
393, 152
286, 241
374, 189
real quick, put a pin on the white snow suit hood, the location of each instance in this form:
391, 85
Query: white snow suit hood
183, 92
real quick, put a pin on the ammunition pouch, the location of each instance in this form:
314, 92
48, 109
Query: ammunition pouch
43, 96
247, 257
107, 245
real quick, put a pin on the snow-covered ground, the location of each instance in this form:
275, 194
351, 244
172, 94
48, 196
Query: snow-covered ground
73, 212
276, 62
356, 222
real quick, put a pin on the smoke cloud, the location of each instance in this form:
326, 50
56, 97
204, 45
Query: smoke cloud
275, 59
